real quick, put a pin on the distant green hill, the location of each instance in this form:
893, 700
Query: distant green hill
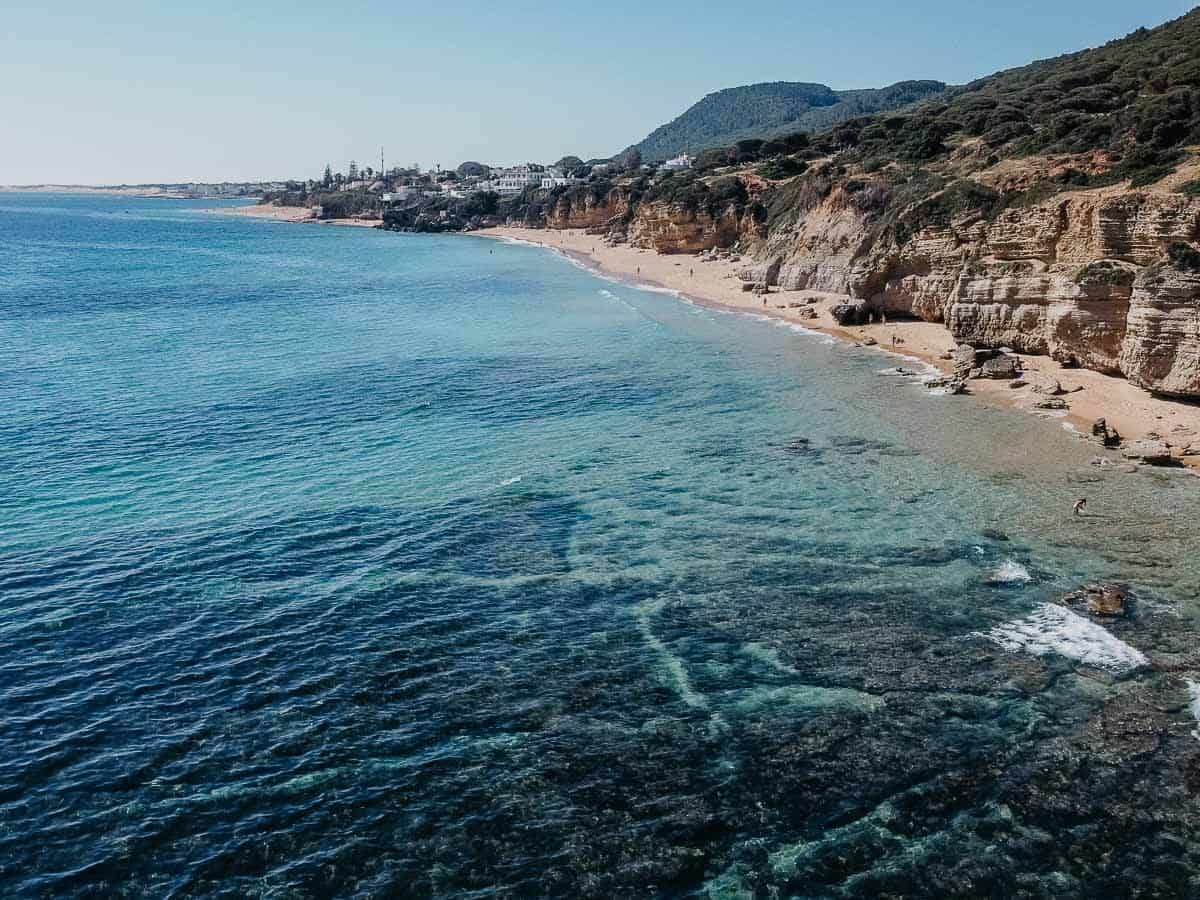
773, 108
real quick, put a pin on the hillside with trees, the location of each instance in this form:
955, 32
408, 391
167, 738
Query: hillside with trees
771, 109
1135, 100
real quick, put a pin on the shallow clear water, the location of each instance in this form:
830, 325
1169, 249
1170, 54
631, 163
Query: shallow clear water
338, 562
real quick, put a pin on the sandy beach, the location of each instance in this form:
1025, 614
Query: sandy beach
1134, 412
288, 214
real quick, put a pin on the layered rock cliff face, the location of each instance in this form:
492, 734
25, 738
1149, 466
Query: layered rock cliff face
695, 223
1082, 277
586, 210
672, 228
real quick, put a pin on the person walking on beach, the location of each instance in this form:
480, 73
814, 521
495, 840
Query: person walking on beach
1077, 509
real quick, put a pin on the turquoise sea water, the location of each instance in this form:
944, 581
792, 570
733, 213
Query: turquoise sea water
336, 562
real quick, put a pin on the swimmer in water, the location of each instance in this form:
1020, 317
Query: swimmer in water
1077, 509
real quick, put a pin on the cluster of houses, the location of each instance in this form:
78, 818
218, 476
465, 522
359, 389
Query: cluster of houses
513, 180
407, 185
507, 182
201, 190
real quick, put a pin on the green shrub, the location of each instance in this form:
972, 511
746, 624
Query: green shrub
344, 204
1104, 272
939, 210
484, 203
715, 159
1190, 188
783, 167
1184, 257
1150, 176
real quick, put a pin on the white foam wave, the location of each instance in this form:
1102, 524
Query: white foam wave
1194, 705
1010, 572
516, 479
1055, 629
800, 329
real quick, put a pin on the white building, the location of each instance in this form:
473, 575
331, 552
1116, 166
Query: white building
683, 161
554, 177
513, 180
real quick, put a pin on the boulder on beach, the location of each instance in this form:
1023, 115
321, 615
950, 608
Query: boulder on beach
1151, 450
1001, 366
1052, 403
964, 360
850, 313
1109, 437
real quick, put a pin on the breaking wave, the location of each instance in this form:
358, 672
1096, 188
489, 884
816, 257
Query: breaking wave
1055, 629
1010, 572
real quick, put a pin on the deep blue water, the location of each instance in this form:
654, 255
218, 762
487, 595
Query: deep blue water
336, 562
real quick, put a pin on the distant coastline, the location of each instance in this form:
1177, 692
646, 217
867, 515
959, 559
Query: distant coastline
146, 192
181, 191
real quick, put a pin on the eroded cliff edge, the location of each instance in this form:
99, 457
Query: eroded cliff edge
1053, 208
1107, 279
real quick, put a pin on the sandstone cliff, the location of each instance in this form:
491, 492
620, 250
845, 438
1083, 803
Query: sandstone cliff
672, 228
587, 209
1083, 276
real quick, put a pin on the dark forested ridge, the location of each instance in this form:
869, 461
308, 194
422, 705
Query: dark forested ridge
773, 108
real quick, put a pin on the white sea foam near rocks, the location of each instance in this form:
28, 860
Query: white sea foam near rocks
1194, 706
1051, 628
1009, 572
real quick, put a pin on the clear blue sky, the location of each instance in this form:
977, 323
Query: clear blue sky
126, 91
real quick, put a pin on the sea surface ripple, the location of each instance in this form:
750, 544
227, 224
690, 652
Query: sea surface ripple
343, 563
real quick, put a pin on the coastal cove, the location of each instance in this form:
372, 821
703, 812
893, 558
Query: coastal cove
1133, 412
1092, 395
347, 562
